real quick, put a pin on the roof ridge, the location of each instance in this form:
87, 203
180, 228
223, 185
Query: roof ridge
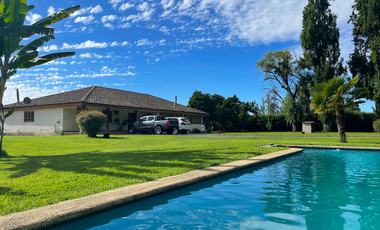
88, 93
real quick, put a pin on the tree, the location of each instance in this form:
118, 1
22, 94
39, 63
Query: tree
281, 68
320, 40
13, 31
91, 121
320, 44
365, 60
338, 95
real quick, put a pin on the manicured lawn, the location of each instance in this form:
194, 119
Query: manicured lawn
299, 134
48, 169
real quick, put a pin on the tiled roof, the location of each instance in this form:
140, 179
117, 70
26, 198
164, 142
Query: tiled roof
97, 95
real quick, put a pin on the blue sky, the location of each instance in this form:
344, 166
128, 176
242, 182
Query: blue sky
168, 48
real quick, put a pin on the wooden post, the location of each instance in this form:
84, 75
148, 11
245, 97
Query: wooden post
107, 134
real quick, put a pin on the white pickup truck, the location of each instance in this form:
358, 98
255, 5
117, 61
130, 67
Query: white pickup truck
153, 124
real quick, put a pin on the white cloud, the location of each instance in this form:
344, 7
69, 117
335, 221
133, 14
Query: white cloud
32, 18
167, 3
162, 42
144, 42
126, 6
165, 30
86, 55
109, 26
85, 20
96, 10
115, 3
86, 45
124, 43
125, 25
109, 18
186, 4
51, 10
145, 16
143, 7
115, 43
49, 48
91, 10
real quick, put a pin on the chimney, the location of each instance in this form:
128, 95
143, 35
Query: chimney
18, 97
175, 102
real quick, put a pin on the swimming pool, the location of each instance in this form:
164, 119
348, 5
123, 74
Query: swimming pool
316, 189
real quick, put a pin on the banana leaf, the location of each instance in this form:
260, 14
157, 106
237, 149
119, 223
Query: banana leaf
56, 17
33, 46
46, 58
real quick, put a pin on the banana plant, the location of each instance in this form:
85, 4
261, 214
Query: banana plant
15, 56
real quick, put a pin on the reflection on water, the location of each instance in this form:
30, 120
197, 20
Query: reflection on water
318, 189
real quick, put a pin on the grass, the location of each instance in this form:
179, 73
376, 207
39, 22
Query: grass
299, 134
44, 170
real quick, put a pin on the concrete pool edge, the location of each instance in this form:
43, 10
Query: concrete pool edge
330, 147
65, 211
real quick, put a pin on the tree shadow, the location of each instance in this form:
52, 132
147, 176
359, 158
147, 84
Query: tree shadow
5, 190
131, 165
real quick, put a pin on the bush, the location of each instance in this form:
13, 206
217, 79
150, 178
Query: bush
195, 130
91, 121
376, 125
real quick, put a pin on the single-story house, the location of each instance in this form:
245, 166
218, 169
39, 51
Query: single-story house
55, 114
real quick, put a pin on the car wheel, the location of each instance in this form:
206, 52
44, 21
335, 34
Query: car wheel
158, 130
175, 131
132, 130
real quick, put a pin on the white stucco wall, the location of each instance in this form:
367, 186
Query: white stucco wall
46, 122
69, 116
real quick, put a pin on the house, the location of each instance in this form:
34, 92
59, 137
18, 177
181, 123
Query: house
55, 114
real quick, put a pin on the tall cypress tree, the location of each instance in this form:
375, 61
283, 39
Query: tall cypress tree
365, 60
320, 44
320, 40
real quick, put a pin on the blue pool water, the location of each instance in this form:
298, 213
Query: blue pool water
317, 189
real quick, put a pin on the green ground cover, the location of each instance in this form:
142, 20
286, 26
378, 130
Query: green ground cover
44, 170
48, 169
299, 134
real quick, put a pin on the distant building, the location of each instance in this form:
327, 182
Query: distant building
55, 114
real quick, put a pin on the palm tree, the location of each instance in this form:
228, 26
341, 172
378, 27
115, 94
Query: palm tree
337, 94
13, 31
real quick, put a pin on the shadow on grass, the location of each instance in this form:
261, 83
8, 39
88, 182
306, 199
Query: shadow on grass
131, 165
5, 190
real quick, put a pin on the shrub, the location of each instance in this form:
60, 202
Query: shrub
91, 121
376, 125
195, 130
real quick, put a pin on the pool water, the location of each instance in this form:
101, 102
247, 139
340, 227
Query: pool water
317, 189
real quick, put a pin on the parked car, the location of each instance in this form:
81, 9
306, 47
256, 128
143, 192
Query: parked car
183, 123
153, 124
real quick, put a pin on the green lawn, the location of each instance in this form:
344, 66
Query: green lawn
44, 170
49, 169
299, 134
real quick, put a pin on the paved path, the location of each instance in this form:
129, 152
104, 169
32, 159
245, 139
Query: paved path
251, 136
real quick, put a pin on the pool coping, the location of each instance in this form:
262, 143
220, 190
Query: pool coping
330, 147
66, 211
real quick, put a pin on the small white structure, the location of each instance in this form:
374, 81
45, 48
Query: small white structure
307, 127
55, 114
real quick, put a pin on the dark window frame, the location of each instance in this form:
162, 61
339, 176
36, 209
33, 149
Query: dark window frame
29, 116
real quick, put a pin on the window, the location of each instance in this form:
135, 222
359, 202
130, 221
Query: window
29, 116
143, 119
189, 118
196, 119
185, 120
160, 118
151, 119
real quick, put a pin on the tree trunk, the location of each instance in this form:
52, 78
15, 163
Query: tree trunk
294, 123
328, 121
341, 124
107, 133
